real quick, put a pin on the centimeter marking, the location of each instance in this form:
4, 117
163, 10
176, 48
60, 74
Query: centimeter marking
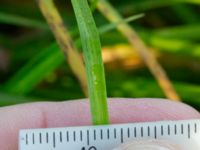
109, 135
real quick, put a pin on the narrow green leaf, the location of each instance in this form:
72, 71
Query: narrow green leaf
7, 99
188, 32
29, 75
93, 60
33, 72
185, 13
112, 26
21, 21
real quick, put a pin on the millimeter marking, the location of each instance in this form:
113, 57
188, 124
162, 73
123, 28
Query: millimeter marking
106, 137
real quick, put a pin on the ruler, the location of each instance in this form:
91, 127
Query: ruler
184, 133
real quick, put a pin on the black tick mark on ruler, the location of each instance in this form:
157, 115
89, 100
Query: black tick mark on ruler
148, 131
142, 132
188, 131
115, 133
54, 139
26, 139
47, 137
88, 138
162, 131
74, 135
95, 137
135, 132
128, 132
40, 135
122, 137
67, 136
108, 133
155, 132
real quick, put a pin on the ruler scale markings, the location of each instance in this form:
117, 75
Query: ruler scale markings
33, 138
74, 135
108, 133
175, 129
54, 139
121, 134
168, 129
47, 137
148, 131
155, 132
26, 139
60, 136
189, 131
186, 132
162, 131
128, 132
195, 128
95, 136
67, 136
81, 135
101, 134
141, 131
40, 138
135, 132
181, 128
115, 133
88, 138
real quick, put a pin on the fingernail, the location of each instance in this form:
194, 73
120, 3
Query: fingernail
148, 145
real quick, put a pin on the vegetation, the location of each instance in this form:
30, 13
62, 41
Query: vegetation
152, 55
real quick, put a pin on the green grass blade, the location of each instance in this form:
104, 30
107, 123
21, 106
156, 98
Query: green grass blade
131, 87
188, 32
62, 35
21, 21
197, 2
156, 69
7, 99
112, 26
30, 75
93, 60
145, 5
186, 14
33, 72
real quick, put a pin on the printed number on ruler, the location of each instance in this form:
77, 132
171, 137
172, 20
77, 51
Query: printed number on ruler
184, 133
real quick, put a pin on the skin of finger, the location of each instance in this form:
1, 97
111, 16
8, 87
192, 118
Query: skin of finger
76, 113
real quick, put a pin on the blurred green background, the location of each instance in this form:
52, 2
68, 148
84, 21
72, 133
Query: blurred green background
33, 68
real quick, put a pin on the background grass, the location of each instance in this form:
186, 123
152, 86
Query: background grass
33, 68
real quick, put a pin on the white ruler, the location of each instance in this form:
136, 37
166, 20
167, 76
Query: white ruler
184, 133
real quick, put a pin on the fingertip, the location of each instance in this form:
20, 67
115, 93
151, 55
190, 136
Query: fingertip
77, 113
147, 110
